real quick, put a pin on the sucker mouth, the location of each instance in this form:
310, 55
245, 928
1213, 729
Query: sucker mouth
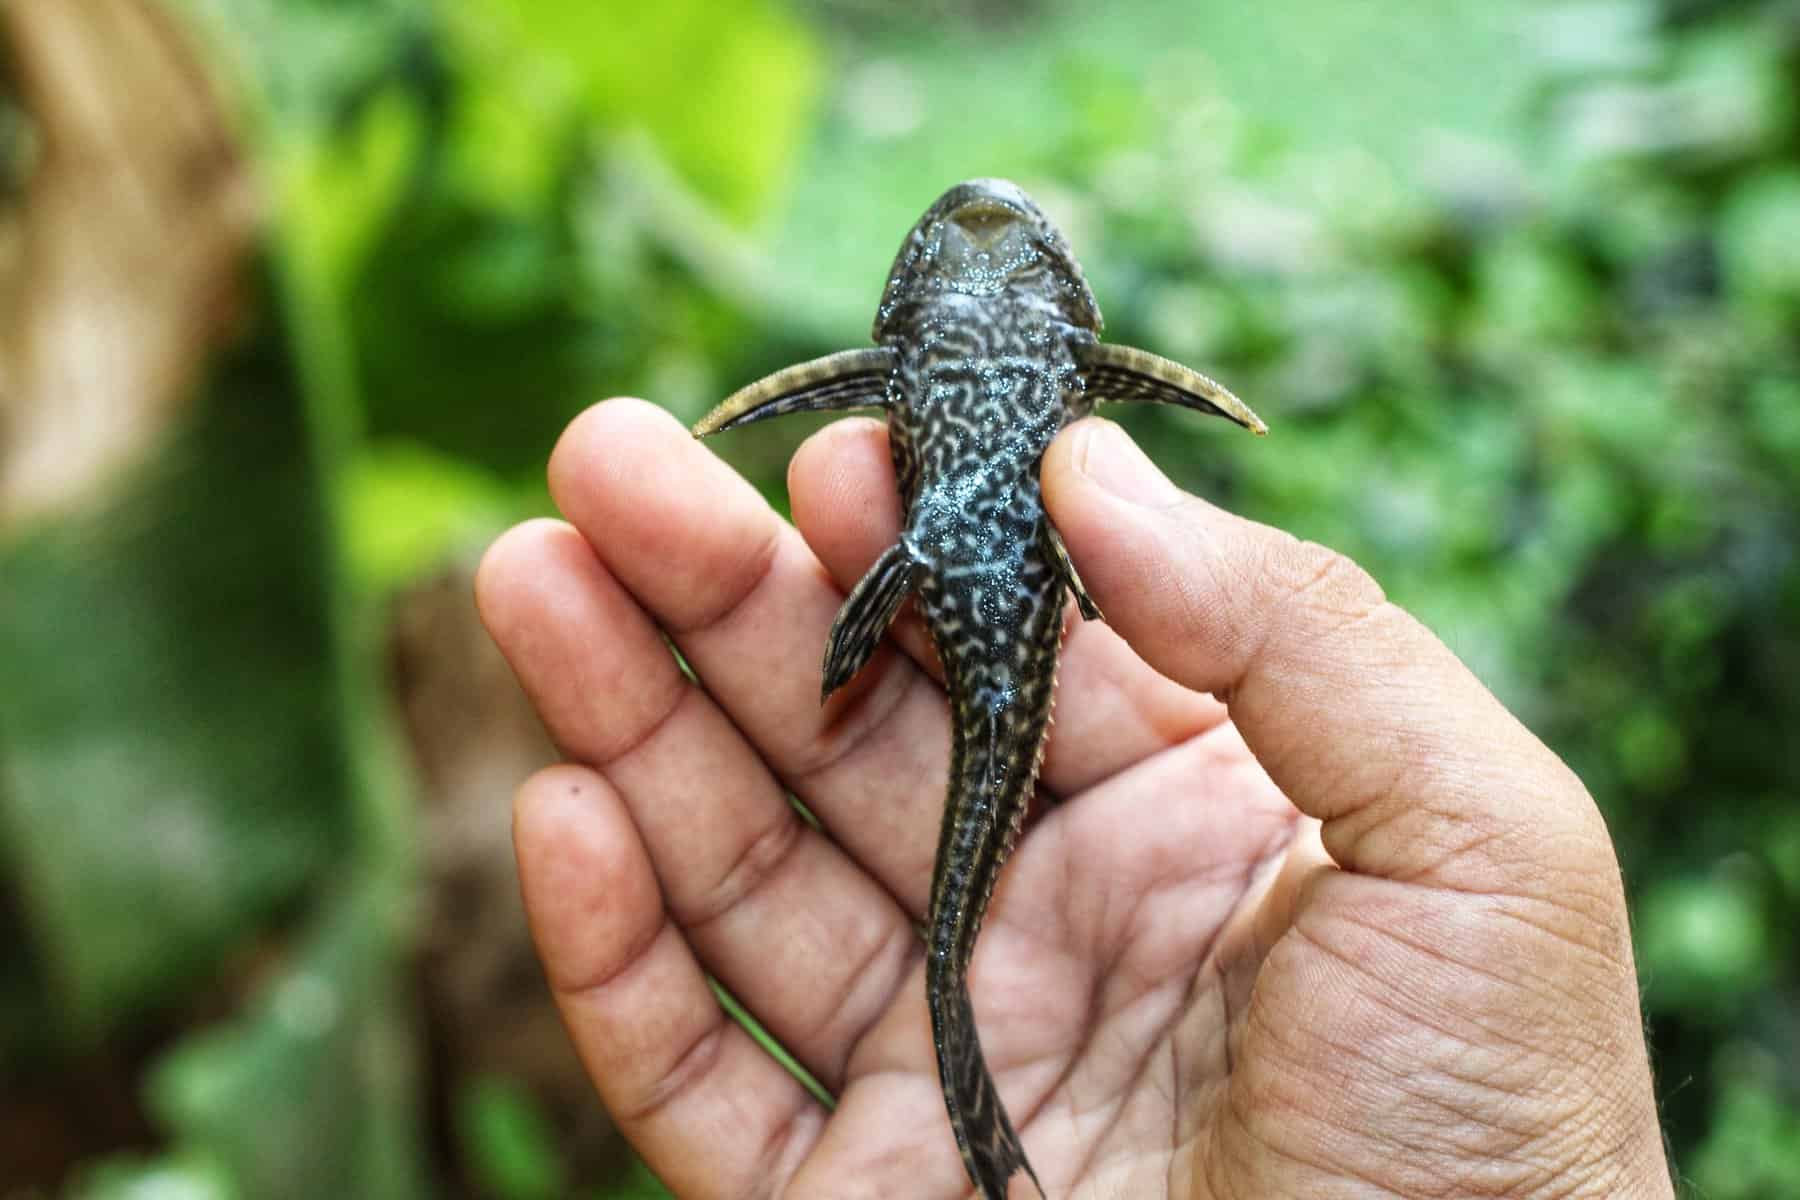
985, 220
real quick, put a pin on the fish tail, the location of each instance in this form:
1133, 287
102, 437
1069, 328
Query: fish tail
991, 1150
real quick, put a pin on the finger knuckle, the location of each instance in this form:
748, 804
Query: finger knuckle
1310, 583
760, 859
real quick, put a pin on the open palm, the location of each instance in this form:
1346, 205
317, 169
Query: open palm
1179, 991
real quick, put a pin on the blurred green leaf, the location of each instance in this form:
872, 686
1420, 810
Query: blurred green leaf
682, 70
1759, 237
641, 1185
308, 1093
1701, 938
408, 510
1533, 291
340, 192
1754, 1153
1775, 419
510, 1145
1783, 844
1651, 751
173, 1178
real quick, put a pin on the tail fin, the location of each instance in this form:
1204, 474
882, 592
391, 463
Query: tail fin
991, 1150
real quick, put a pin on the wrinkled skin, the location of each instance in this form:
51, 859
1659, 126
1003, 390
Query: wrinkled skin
1182, 993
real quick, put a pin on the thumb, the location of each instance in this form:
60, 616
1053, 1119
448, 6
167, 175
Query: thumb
1362, 717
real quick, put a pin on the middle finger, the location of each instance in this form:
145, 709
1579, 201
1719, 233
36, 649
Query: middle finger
749, 605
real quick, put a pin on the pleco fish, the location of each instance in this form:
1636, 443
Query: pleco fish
986, 345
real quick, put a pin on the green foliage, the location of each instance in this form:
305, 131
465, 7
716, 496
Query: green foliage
408, 510
1755, 1149
512, 1148
161, 1179
1759, 238
1702, 943
674, 69
310, 1092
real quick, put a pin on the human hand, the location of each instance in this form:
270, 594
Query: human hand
1351, 931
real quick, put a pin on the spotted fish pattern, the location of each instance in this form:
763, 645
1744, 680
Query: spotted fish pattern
987, 344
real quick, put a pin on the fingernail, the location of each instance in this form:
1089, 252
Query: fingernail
1107, 455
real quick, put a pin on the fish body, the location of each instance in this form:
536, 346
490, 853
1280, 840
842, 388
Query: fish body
983, 384
986, 346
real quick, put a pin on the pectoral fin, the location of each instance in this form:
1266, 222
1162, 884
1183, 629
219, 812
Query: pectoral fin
1127, 373
866, 615
847, 379
1066, 568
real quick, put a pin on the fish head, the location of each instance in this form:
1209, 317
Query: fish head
987, 238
